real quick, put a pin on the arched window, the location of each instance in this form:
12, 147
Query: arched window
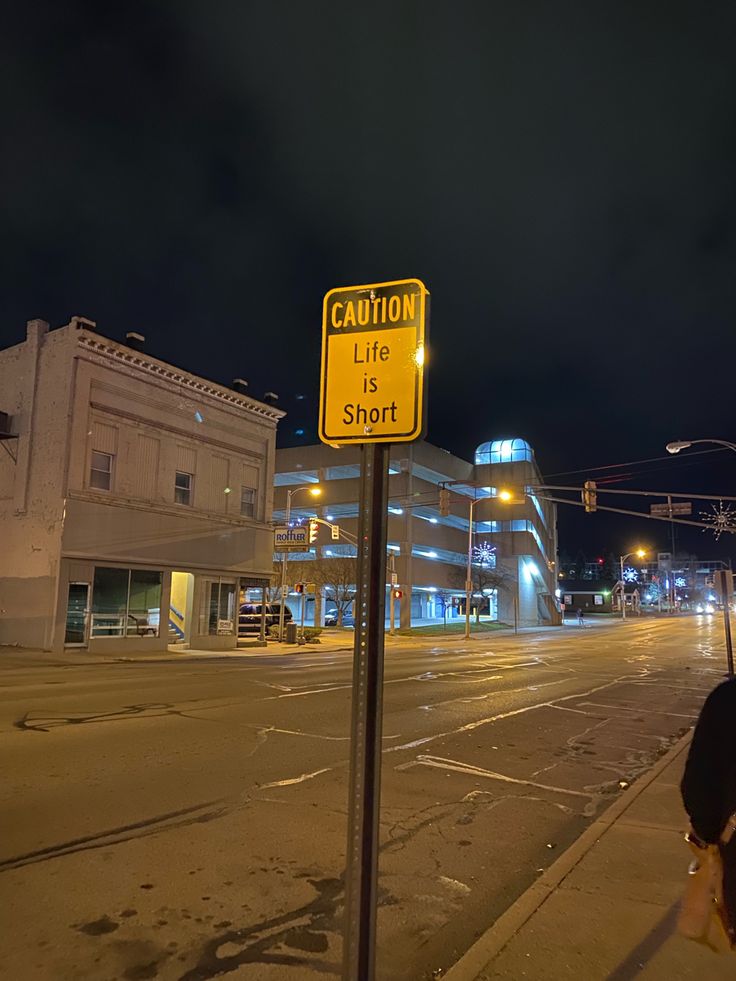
504, 451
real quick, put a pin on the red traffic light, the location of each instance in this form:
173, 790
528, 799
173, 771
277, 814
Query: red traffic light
599, 561
299, 588
398, 594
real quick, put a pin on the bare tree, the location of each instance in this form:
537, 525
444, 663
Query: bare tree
338, 576
273, 590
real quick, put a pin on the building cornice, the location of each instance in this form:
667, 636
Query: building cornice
144, 363
218, 519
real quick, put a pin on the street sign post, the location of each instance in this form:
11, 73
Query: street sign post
372, 393
372, 387
723, 582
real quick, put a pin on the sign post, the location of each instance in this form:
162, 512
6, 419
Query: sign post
361, 873
724, 584
670, 510
372, 393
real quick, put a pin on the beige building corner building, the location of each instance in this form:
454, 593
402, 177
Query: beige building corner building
135, 498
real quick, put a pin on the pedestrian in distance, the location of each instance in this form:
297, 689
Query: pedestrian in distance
581, 618
708, 912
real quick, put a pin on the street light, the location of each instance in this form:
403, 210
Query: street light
315, 492
682, 444
512, 496
469, 571
640, 552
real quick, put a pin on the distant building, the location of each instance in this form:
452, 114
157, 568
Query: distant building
135, 498
590, 596
515, 543
597, 596
682, 581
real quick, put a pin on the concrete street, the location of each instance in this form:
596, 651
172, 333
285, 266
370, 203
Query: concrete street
186, 819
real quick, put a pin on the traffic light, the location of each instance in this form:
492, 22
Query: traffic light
299, 588
444, 502
313, 531
590, 496
398, 594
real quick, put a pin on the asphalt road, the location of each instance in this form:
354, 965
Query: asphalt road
186, 820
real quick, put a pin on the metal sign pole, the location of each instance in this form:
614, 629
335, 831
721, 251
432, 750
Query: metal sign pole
361, 873
725, 588
729, 644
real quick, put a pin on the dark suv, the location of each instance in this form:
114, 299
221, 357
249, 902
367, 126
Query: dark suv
249, 617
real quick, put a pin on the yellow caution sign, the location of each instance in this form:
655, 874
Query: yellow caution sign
373, 360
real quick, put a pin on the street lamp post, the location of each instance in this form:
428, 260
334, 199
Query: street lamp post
682, 444
640, 553
469, 570
315, 492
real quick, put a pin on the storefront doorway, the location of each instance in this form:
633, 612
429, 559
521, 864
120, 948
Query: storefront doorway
77, 615
180, 607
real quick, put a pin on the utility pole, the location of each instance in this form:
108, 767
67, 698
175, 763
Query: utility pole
672, 564
623, 591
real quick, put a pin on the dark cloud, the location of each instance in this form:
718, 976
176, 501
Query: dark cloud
561, 176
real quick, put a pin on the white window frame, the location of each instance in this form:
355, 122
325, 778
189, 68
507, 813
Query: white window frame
189, 489
96, 470
252, 504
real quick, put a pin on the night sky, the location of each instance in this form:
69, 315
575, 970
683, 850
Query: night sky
560, 175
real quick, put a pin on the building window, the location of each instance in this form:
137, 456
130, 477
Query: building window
100, 471
126, 602
597, 600
248, 502
183, 488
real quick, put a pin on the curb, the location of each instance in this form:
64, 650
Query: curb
490, 944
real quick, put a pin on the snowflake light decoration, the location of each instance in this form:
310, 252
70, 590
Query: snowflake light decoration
719, 519
680, 582
630, 575
484, 555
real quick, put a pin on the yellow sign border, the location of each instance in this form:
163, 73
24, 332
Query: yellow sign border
419, 394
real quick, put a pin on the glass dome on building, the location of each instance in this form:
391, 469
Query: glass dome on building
504, 451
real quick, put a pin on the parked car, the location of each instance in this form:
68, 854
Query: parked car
348, 620
249, 616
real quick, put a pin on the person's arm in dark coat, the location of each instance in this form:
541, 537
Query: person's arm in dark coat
704, 786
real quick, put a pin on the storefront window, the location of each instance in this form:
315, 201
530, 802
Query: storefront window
218, 607
126, 602
109, 601
144, 604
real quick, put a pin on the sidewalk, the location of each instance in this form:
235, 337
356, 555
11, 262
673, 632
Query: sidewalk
329, 642
606, 909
